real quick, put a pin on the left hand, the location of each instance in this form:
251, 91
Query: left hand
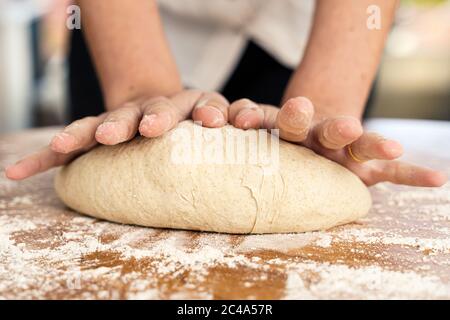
338, 138
149, 116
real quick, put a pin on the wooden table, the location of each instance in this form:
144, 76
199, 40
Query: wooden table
401, 250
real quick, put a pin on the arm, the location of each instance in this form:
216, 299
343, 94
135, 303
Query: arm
129, 49
325, 98
140, 83
342, 56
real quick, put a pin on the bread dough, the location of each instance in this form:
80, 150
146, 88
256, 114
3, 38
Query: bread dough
166, 182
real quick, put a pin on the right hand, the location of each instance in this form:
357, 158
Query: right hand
373, 158
151, 117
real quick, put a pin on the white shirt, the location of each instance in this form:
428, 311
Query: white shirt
208, 37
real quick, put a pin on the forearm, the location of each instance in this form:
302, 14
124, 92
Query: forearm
342, 56
129, 49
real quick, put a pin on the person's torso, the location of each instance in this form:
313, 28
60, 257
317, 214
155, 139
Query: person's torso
208, 36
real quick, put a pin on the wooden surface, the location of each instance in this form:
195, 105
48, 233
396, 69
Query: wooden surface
400, 250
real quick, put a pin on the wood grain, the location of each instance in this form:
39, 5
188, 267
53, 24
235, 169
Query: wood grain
401, 250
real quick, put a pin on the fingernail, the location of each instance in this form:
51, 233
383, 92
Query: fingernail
217, 116
61, 136
294, 118
164, 117
105, 126
392, 146
201, 104
246, 124
244, 113
344, 129
395, 150
62, 142
149, 119
147, 122
243, 116
155, 124
6, 169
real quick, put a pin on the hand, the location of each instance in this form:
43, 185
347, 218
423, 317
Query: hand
373, 156
150, 116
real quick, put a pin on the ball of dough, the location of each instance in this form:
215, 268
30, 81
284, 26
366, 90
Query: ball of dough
205, 179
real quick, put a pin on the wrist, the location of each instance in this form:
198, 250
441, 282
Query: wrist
149, 81
328, 103
116, 96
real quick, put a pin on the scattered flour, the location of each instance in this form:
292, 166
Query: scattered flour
86, 258
25, 200
340, 281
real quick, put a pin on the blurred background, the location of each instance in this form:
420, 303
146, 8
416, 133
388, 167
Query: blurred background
413, 81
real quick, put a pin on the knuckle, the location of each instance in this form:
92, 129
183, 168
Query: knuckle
218, 97
129, 108
112, 117
156, 103
88, 120
129, 105
77, 123
129, 112
157, 100
244, 102
195, 92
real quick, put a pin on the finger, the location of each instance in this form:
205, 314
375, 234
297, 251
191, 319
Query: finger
77, 135
162, 114
404, 173
336, 133
246, 114
374, 146
211, 110
185, 101
119, 125
294, 119
36, 163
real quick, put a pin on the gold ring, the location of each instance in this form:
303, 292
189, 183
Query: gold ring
352, 155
